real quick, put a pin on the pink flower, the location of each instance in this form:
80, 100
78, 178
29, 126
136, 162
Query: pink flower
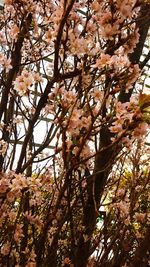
86, 122
75, 150
108, 30
125, 8
8, 2
48, 36
102, 61
140, 217
14, 31
106, 17
138, 235
121, 192
141, 129
31, 264
4, 185
12, 216
95, 5
5, 62
66, 261
10, 196
18, 233
97, 94
123, 207
24, 82
116, 128
86, 152
69, 144
5, 249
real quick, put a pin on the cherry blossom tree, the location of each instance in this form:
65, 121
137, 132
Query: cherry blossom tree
74, 161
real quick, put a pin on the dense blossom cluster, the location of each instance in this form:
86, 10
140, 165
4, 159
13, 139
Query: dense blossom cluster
73, 165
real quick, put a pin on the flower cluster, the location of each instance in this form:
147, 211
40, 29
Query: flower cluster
25, 81
5, 63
